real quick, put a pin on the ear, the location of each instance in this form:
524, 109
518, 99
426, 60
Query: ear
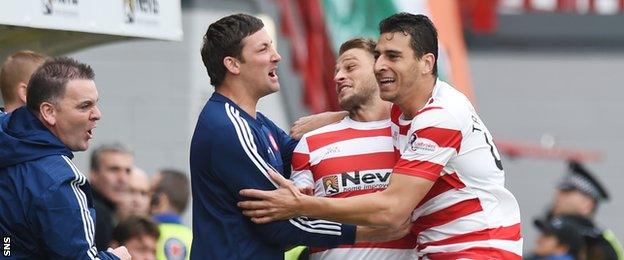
588, 205
47, 111
428, 61
232, 65
21, 92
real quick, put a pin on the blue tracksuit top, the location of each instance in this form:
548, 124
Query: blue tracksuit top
231, 151
46, 208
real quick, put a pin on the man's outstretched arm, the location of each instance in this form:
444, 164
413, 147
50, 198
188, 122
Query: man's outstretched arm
389, 208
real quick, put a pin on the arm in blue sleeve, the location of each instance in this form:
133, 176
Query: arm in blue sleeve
66, 222
236, 161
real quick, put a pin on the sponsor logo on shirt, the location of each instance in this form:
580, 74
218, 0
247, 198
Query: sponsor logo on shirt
422, 145
354, 181
332, 150
330, 184
273, 143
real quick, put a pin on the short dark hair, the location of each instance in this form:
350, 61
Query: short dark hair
358, 43
224, 38
424, 36
49, 81
174, 184
96, 155
135, 227
18, 67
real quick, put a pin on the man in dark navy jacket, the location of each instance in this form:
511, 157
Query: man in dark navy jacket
46, 206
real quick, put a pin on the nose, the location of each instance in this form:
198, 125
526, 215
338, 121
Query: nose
97, 114
276, 57
380, 65
123, 177
339, 77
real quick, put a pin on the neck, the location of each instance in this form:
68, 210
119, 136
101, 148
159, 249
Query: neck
50, 128
10, 107
240, 95
417, 96
374, 110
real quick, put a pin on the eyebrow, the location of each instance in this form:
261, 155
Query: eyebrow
89, 101
265, 44
349, 58
395, 52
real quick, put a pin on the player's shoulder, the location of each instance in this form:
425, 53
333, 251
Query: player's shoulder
337, 126
215, 112
217, 119
450, 102
449, 98
220, 115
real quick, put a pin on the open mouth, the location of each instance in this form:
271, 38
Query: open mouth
273, 74
343, 87
90, 133
386, 81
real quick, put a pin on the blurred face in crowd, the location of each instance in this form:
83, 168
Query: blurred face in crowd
397, 68
259, 63
355, 78
549, 245
73, 116
111, 179
142, 248
137, 199
157, 203
573, 201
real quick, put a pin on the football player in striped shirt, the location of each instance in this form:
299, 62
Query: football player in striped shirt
354, 156
449, 177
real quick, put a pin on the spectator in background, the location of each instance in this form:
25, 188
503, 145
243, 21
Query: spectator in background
139, 235
170, 196
111, 165
560, 239
46, 207
580, 193
137, 198
14, 76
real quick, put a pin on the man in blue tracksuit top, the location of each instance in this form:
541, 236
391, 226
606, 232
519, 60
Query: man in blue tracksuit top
234, 147
46, 207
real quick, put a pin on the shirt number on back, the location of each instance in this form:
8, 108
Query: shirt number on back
497, 160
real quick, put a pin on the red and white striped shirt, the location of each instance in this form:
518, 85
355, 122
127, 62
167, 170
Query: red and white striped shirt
468, 213
347, 159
